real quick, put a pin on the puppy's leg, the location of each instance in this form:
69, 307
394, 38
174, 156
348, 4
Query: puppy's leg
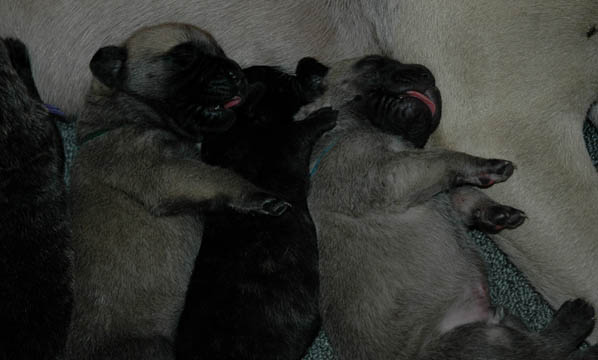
174, 185
571, 324
415, 176
479, 211
191, 182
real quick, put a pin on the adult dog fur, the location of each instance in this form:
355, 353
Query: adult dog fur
35, 255
139, 186
518, 78
399, 277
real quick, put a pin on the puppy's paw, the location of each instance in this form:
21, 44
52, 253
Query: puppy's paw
494, 218
261, 203
489, 172
573, 322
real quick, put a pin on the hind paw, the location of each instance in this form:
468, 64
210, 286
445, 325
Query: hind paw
490, 172
495, 218
572, 323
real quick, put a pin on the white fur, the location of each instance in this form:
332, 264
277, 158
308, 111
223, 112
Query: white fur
517, 79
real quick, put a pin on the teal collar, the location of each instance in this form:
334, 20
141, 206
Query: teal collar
321, 157
95, 134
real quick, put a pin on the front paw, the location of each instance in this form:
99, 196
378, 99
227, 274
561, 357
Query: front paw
490, 172
494, 218
261, 203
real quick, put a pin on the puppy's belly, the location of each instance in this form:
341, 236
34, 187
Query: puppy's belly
134, 268
472, 307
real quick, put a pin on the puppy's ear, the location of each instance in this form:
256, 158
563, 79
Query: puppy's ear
309, 66
311, 74
108, 65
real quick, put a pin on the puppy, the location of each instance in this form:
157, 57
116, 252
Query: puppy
139, 187
35, 254
399, 277
254, 291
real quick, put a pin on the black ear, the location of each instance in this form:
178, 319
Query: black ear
108, 65
311, 73
309, 66
19, 56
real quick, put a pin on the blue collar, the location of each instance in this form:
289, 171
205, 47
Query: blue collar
321, 157
54, 110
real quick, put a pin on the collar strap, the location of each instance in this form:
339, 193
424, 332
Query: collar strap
321, 157
54, 110
95, 134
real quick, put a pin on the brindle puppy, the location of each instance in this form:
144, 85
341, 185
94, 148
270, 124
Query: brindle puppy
35, 257
399, 277
254, 291
139, 187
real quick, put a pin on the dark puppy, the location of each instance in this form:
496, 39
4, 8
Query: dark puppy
255, 287
400, 278
139, 187
35, 258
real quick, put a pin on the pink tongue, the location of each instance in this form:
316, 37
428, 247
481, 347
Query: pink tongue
426, 100
234, 102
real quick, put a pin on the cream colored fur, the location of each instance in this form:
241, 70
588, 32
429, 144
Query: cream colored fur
517, 79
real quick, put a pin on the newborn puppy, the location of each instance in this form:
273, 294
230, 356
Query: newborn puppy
139, 187
399, 276
255, 287
35, 255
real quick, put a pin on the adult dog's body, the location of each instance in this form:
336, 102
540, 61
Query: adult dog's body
517, 78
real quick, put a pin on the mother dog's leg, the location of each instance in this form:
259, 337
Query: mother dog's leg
517, 84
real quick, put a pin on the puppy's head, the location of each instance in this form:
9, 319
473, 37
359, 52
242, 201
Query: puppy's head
178, 69
397, 98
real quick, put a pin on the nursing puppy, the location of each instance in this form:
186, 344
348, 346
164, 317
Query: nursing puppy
139, 187
517, 83
254, 291
399, 277
35, 257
